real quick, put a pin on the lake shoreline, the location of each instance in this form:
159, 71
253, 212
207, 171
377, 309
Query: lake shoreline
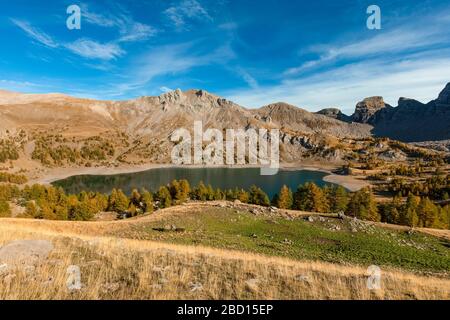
56, 174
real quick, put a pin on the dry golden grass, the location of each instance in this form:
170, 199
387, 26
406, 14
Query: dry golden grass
108, 228
114, 268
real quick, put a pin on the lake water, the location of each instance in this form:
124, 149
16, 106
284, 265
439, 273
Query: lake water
224, 178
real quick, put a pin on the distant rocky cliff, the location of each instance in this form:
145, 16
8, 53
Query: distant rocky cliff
410, 121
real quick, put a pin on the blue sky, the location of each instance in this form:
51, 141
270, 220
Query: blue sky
313, 54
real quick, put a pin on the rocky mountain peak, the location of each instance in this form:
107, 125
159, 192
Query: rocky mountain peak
409, 103
331, 112
334, 113
172, 96
444, 96
367, 108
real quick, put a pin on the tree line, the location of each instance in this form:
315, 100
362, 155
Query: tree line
48, 202
436, 187
13, 178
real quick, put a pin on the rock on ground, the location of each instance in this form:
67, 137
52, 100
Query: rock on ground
25, 252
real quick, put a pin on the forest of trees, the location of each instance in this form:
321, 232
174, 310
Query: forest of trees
48, 202
436, 187
54, 149
13, 178
414, 212
8, 151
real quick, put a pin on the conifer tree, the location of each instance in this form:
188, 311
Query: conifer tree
135, 198
201, 192
118, 201
147, 201
285, 199
428, 213
243, 196
318, 198
179, 191
408, 215
363, 206
338, 199
302, 200
258, 196
164, 197
5, 211
31, 211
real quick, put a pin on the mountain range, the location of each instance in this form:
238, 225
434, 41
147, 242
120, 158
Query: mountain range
140, 128
410, 121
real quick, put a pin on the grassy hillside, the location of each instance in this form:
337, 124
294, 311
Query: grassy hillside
325, 238
205, 251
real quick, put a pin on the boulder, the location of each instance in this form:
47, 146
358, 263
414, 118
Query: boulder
367, 108
25, 252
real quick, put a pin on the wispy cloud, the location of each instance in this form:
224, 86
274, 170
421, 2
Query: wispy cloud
249, 79
180, 13
419, 76
94, 50
21, 86
419, 35
83, 47
229, 26
165, 89
173, 59
170, 60
97, 19
129, 29
411, 60
35, 33
136, 31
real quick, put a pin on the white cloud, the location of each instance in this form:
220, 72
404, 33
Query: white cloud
168, 60
420, 77
13, 85
249, 79
93, 50
83, 47
97, 19
129, 29
228, 26
165, 89
412, 60
187, 9
137, 32
173, 59
414, 37
35, 33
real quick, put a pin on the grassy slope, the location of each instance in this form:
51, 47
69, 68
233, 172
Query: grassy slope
299, 239
277, 256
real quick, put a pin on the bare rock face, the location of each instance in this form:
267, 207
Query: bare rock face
334, 113
413, 121
367, 108
409, 103
330, 112
444, 97
172, 97
25, 252
295, 119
